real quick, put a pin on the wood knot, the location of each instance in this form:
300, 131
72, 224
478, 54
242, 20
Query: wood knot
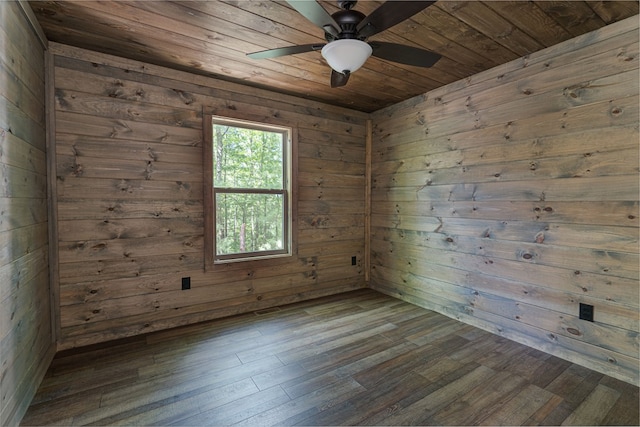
624, 56
574, 331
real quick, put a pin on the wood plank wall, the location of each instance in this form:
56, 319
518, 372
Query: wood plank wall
506, 199
130, 199
26, 344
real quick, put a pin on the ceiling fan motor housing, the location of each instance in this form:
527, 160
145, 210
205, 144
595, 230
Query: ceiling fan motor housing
348, 21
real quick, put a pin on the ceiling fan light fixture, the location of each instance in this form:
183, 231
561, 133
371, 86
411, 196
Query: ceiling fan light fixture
346, 54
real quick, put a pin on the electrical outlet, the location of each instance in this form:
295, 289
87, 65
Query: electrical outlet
586, 312
353, 260
186, 283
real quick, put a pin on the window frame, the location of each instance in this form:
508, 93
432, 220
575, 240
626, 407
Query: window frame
288, 190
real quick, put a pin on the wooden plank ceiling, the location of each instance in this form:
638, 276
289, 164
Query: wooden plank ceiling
213, 37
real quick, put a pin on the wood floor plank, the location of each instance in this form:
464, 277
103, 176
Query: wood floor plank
190, 363
355, 410
480, 401
176, 408
238, 410
278, 376
346, 353
407, 361
549, 371
624, 412
361, 358
440, 368
422, 411
543, 412
583, 390
567, 382
444, 378
61, 411
594, 408
329, 343
159, 390
357, 362
288, 340
518, 409
291, 412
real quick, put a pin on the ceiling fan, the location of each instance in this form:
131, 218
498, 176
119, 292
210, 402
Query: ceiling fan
347, 31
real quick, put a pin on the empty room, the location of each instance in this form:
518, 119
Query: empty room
270, 213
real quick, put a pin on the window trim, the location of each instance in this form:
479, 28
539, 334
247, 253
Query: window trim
290, 186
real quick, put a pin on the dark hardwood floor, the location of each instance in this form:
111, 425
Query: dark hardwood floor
354, 359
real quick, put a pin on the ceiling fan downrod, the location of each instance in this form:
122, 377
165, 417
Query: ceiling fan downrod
347, 4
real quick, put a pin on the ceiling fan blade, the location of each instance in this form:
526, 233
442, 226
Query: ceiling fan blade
282, 51
339, 79
316, 14
403, 54
389, 14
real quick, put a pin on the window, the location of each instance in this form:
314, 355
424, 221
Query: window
249, 165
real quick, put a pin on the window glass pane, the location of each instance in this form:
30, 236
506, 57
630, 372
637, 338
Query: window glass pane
247, 158
249, 223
